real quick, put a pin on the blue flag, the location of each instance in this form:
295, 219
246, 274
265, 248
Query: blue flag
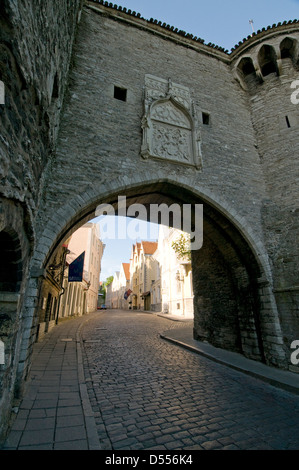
76, 269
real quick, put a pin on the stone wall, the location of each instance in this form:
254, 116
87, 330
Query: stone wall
74, 137
15, 254
35, 47
275, 119
100, 149
36, 40
100, 137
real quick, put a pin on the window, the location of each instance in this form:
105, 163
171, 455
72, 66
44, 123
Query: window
267, 60
205, 119
55, 89
287, 48
120, 93
246, 67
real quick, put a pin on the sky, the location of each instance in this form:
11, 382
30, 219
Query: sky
221, 22
119, 239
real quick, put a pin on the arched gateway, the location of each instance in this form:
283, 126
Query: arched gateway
231, 271
129, 107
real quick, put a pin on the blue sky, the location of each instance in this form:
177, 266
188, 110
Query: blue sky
119, 238
221, 22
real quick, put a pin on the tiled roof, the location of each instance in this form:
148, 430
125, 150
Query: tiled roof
149, 247
126, 267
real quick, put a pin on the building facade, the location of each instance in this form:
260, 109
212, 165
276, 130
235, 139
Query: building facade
173, 291
213, 127
82, 297
112, 295
115, 293
143, 274
124, 286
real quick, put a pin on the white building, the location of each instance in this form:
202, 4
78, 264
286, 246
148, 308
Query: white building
172, 293
116, 290
124, 285
113, 300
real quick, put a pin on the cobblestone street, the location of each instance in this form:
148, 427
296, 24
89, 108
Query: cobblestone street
149, 394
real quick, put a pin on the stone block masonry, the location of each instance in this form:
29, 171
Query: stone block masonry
100, 148
81, 125
35, 51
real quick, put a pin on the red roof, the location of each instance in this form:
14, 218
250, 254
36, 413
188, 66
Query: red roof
126, 267
149, 247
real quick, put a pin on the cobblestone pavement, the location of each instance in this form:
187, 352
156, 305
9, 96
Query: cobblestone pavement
149, 394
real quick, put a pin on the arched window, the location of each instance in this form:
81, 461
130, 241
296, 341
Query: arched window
10, 266
10, 280
246, 66
267, 60
287, 48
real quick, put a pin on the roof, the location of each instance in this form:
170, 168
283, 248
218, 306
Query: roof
126, 268
149, 248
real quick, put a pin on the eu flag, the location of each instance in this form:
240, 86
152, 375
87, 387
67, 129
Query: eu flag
76, 269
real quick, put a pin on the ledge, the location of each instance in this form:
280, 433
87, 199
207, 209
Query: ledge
9, 297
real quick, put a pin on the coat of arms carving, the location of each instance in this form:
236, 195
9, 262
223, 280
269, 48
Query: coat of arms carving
169, 124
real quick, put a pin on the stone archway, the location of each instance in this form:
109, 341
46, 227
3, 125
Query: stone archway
10, 275
231, 269
15, 251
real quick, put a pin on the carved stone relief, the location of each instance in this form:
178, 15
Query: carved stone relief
169, 123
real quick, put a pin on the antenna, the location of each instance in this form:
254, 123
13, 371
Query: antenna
251, 22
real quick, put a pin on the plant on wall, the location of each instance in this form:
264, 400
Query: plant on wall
182, 246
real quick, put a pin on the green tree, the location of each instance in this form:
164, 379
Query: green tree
182, 246
106, 283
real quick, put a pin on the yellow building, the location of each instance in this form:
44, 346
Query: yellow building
142, 273
82, 297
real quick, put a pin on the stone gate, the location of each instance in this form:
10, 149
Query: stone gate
100, 102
